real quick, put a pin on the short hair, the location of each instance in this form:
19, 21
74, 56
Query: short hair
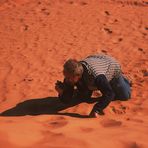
73, 67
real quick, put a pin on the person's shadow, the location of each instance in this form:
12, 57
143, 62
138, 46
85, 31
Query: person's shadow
49, 105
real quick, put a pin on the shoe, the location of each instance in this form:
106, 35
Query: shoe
96, 113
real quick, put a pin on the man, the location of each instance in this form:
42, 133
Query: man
96, 72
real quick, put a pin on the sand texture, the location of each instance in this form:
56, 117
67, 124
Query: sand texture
36, 38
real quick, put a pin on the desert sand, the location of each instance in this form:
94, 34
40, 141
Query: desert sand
36, 38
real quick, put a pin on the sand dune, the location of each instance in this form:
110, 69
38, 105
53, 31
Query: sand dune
36, 38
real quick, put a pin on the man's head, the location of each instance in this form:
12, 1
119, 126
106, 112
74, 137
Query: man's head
73, 71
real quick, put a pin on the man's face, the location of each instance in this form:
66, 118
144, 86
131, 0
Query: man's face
70, 78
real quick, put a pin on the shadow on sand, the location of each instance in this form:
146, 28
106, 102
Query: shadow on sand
49, 105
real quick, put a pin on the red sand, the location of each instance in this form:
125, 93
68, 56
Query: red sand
36, 38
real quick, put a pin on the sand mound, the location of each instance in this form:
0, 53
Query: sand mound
37, 37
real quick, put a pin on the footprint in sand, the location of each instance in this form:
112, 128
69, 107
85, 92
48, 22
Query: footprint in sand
141, 50
120, 39
145, 72
57, 122
5, 4
86, 129
120, 110
108, 30
60, 139
131, 145
137, 120
104, 51
45, 11
24, 27
71, 2
106, 12
110, 123
83, 3
131, 3
28, 79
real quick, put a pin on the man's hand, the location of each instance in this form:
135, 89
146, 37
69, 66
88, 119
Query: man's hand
59, 87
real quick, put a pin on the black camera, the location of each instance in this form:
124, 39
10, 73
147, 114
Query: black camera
60, 84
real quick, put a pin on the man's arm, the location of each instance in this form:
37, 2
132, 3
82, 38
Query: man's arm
106, 90
67, 92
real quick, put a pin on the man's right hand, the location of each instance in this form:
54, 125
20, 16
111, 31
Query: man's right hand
59, 87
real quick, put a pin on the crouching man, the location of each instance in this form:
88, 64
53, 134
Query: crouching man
95, 72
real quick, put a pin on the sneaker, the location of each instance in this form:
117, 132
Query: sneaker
96, 113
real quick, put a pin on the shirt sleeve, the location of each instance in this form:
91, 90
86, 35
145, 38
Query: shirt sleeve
67, 94
107, 93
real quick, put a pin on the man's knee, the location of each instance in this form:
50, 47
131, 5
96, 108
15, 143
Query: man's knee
126, 96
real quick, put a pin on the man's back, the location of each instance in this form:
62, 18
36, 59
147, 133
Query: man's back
102, 64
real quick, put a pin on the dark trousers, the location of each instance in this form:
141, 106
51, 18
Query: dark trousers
121, 88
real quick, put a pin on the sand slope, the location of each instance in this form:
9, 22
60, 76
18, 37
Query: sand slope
36, 38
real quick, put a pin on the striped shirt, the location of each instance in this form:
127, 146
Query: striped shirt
100, 64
